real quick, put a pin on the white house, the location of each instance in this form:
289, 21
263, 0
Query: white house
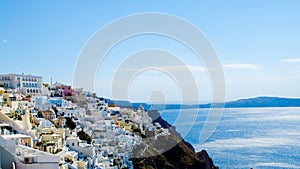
83, 149
25, 83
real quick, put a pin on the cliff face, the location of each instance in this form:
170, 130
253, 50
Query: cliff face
181, 156
155, 115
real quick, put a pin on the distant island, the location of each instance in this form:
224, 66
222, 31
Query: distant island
263, 101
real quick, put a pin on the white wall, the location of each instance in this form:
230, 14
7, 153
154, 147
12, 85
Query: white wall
21, 165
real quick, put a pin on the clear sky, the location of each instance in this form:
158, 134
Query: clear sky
257, 42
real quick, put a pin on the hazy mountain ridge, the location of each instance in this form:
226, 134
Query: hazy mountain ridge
263, 101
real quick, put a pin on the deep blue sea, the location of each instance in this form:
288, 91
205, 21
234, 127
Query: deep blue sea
245, 137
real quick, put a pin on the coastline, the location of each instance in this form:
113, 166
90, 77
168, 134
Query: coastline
182, 155
202, 155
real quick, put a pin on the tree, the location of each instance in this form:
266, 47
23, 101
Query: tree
55, 109
83, 136
117, 162
70, 123
40, 114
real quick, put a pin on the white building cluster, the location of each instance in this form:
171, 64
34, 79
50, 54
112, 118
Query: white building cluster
71, 129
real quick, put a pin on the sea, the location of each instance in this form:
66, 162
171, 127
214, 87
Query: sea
244, 137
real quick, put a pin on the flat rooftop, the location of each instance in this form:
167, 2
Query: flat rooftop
14, 136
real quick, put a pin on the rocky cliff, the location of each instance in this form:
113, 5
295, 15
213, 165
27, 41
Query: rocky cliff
180, 156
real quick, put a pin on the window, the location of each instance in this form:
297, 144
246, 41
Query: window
73, 144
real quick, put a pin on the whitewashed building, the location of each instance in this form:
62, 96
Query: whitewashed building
27, 84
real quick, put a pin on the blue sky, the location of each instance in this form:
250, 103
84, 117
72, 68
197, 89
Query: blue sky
257, 42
